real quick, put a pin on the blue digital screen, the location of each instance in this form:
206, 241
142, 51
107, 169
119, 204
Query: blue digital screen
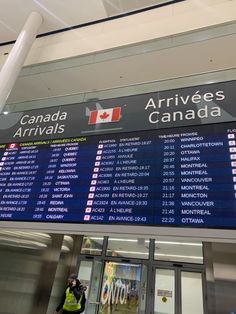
174, 177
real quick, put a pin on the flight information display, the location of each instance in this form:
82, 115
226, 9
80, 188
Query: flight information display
174, 177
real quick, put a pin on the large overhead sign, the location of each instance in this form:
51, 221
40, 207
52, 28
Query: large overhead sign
159, 159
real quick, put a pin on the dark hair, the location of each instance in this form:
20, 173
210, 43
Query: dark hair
72, 276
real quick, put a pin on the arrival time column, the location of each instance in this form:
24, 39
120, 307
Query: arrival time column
168, 176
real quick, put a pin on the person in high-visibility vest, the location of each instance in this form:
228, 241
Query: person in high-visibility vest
73, 300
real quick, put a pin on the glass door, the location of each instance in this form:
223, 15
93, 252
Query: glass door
191, 293
178, 291
122, 289
114, 287
90, 276
164, 301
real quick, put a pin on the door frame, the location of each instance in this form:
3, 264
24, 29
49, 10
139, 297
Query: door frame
151, 265
103, 262
179, 267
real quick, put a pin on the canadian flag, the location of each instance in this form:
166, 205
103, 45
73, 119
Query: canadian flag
13, 145
105, 115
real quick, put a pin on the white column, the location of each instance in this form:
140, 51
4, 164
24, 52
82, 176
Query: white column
17, 56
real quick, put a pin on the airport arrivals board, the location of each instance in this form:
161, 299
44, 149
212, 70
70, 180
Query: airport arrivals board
184, 177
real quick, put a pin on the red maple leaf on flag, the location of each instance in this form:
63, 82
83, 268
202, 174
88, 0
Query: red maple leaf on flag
104, 115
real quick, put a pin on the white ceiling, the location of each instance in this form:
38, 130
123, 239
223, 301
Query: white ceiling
60, 14
182, 58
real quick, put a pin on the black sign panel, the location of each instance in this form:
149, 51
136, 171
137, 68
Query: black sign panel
197, 105
175, 177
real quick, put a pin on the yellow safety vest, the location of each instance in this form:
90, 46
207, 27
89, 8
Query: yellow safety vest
71, 304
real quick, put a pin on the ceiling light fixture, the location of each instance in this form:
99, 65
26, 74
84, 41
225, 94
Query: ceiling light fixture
179, 243
179, 256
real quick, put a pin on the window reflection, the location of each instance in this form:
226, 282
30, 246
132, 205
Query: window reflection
26, 240
131, 248
92, 245
121, 288
179, 251
67, 244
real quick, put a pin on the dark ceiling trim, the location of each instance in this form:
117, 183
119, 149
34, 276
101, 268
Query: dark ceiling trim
101, 20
